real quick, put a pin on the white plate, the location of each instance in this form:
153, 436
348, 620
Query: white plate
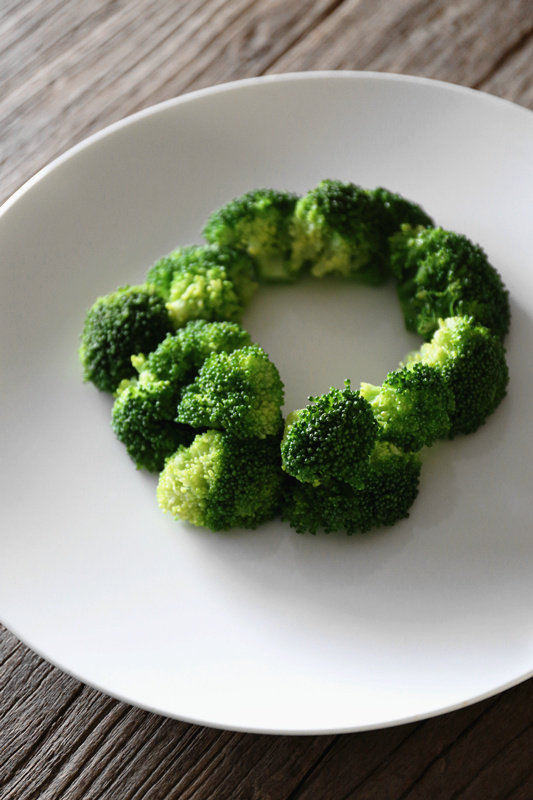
266, 630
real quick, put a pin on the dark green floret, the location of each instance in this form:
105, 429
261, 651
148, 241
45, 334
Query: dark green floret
204, 282
220, 482
144, 413
258, 222
131, 320
332, 437
143, 419
443, 274
398, 211
338, 228
471, 360
240, 392
387, 491
412, 407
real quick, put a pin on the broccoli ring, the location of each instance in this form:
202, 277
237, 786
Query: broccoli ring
198, 400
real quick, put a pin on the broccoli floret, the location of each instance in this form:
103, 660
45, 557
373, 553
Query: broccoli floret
338, 228
161, 274
332, 437
180, 355
258, 222
387, 491
443, 274
240, 392
131, 320
412, 407
221, 482
143, 419
204, 282
471, 360
398, 211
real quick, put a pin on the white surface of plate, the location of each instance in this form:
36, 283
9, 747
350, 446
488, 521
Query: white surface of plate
266, 630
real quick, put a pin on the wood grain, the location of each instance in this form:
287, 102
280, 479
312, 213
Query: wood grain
68, 69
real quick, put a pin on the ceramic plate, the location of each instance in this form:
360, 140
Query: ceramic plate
266, 630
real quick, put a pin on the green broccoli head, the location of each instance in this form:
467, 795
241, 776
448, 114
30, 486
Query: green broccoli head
412, 406
398, 211
338, 228
181, 354
259, 223
131, 320
443, 274
204, 282
143, 419
221, 482
388, 488
332, 437
471, 360
240, 392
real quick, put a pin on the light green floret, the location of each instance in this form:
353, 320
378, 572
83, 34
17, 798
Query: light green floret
339, 228
412, 407
258, 222
240, 392
471, 360
220, 482
204, 282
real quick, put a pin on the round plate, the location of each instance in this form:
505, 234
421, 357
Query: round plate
266, 630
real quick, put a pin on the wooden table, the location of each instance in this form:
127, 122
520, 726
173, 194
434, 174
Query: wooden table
69, 68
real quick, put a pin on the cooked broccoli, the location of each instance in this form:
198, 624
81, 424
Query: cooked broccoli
398, 211
144, 413
331, 437
181, 354
204, 282
131, 320
240, 392
143, 419
388, 488
412, 406
338, 228
471, 360
221, 482
443, 274
258, 222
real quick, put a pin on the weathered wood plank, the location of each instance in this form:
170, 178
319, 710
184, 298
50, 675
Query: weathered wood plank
462, 42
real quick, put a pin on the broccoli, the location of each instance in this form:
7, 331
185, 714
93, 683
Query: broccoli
387, 490
412, 407
130, 320
471, 360
144, 413
443, 274
204, 282
330, 438
143, 419
398, 211
240, 392
221, 482
338, 228
181, 354
258, 222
